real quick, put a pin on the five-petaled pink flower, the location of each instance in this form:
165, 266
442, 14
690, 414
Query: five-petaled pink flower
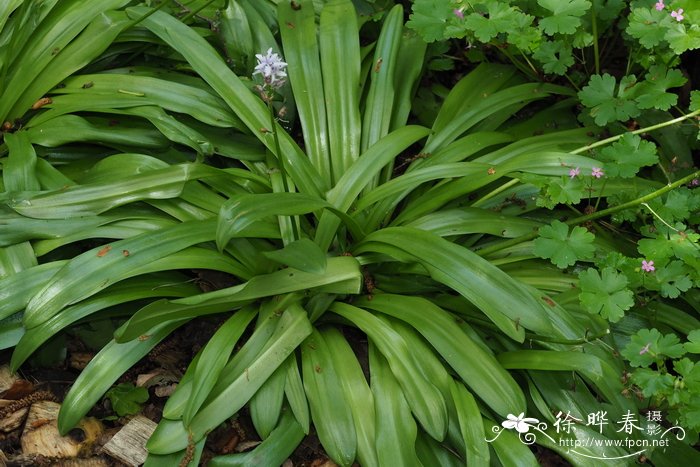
597, 172
645, 349
648, 266
573, 173
678, 14
458, 13
659, 5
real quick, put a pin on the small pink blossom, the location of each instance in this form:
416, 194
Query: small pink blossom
645, 349
678, 14
659, 5
573, 173
458, 13
695, 182
648, 266
597, 172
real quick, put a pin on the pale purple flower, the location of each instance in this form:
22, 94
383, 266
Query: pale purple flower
645, 349
648, 266
458, 13
678, 14
695, 182
271, 67
659, 5
573, 173
597, 172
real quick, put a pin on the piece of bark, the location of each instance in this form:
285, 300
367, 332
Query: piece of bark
129, 444
7, 379
14, 420
41, 437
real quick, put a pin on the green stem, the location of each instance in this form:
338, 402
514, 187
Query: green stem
593, 216
495, 192
594, 27
290, 221
612, 139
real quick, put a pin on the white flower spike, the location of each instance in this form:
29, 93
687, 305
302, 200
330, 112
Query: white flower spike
272, 69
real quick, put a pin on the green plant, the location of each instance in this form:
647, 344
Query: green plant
157, 158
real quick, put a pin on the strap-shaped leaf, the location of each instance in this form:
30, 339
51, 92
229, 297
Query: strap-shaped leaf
342, 276
293, 328
109, 264
57, 30
354, 180
356, 392
395, 426
146, 286
266, 405
331, 410
249, 108
281, 443
18, 172
376, 118
501, 298
213, 359
295, 394
598, 371
302, 254
96, 198
106, 90
92, 41
298, 33
241, 211
426, 401
471, 425
340, 65
103, 370
477, 368
474, 220
18, 289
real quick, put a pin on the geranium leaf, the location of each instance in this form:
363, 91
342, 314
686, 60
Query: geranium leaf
605, 294
561, 247
628, 155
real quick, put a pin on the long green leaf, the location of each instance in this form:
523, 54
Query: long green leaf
501, 298
477, 368
395, 427
18, 173
249, 108
103, 370
173, 436
331, 411
283, 440
91, 42
298, 33
54, 33
99, 197
426, 401
340, 66
130, 290
213, 359
109, 264
356, 392
356, 177
342, 276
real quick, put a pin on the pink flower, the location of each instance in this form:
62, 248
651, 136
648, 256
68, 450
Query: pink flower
678, 14
458, 13
573, 173
597, 172
648, 266
645, 349
659, 5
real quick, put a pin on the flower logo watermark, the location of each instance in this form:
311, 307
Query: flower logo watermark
585, 437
